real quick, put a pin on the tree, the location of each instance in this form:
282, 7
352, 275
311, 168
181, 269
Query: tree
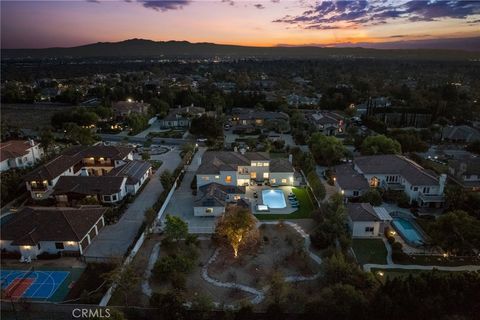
237, 227
316, 185
125, 279
278, 289
47, 140
207, 127
456, 232
380, 144
474, 147
171, 303
79, 135
326, 150
175, 228
145, 156
167, 179
339, 301
373, 197
159, 107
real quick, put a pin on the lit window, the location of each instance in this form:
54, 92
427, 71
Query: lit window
254, 164
217, 177
228, 179
273, 180
266, 164
284, 180
260, 164
265, 175
209, 210
206, 178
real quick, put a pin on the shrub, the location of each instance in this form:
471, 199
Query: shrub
373, 197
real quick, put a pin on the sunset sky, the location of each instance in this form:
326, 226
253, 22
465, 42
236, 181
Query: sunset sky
37, 24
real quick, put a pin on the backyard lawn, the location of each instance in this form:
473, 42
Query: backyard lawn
369, 251
383, 274
307, 205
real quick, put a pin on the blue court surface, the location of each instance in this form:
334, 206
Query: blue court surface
32, 284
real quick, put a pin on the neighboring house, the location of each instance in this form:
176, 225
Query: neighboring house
393, 172
105, 189
212, 199
366, 221
396, 172
295, 100
244, 119
122, 109
19, 154
76, 161
68, 231
244, 168
466, 173
326, 122
136, 171
181, 117
349, 182
463, 134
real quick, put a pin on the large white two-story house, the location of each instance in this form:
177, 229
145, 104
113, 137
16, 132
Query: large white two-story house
107, 173
392, 172
19, 154
223, 176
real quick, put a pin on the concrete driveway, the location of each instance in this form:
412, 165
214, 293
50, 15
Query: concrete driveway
181, 204
114, 240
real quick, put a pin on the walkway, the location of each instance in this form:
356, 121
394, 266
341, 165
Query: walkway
114, 240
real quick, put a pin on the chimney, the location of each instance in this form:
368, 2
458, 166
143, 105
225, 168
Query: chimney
290, 158
442, 180
242, 150
235, 149
31, 142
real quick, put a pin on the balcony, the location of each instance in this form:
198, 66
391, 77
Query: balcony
431, 197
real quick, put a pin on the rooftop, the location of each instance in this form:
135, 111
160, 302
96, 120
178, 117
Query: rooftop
89, 185
134, 170
216, 161
14, 148
32, 225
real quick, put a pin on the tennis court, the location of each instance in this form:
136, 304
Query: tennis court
31, 284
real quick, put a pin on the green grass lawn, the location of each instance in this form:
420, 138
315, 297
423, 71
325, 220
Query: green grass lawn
383, 274
370, 251
307, 205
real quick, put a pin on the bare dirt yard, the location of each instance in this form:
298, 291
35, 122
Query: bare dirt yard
280, 249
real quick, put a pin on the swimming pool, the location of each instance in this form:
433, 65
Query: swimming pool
406, 229
274, 198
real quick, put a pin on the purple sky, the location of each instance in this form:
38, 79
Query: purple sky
36, 24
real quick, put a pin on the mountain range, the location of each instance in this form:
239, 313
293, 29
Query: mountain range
185, 49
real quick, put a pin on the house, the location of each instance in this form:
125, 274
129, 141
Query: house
244, 168
181, 117
122, 109
212, 199
349, 182
77, 161
462, 134
19, 154
393, 172
466, 173
249, 120
136, 172
68, 231
105, 189
326, 122
396, 172
364, 220
295, 100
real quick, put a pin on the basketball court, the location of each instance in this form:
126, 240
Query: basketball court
28, 284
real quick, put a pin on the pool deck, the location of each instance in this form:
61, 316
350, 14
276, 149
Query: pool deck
259, 200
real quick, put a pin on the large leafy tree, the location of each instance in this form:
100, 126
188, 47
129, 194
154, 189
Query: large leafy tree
326, 150
175, 228
237, 228
380, 144
125, 278
456, 232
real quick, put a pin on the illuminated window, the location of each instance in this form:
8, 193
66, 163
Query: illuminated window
217, 177
374, 182
266, 164
206, 178
265, 175
228, 179
209, 210
284, 180
273, 180
253, 175
254, 164
260, 164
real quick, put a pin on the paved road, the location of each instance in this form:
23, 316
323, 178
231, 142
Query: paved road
181, 204
114, 240
135, 139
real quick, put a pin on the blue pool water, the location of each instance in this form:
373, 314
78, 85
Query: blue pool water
274, 198
407, 230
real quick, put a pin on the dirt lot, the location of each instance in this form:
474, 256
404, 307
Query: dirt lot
30, 116
281, 249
